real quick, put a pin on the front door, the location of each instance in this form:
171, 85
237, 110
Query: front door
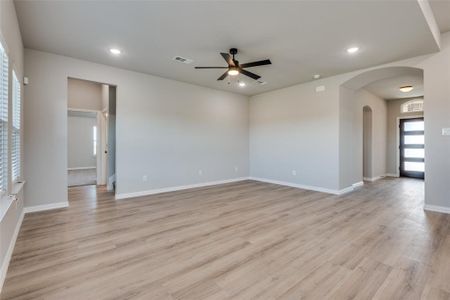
412, 148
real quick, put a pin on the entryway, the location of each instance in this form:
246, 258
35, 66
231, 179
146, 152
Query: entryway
412, 148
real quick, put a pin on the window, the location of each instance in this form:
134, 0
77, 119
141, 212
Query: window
15, 134
4, 69
94, 139
415, 105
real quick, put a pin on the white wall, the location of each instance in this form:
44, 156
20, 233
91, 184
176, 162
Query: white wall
84, 94
166, 129
80, 141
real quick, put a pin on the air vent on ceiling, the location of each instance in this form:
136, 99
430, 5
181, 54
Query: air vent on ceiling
182, 60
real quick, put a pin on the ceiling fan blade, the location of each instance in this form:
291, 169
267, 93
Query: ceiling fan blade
250, 74
211, 67
256, 63
224, 75
228, 59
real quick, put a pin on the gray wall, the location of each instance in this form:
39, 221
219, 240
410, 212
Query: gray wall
12, 42
83, 94
437, 116
296, 129
80, 141
166, 130
351, 141
367, 142
392, 158
378, 134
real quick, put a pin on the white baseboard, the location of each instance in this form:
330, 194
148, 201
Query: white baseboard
9, 252
81, 168
358, 184
436, 208
308, 187
372, 179
176, 188
30, 209
111, 180
350, 188
392, 175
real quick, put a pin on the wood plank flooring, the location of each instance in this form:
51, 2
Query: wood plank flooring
246, 240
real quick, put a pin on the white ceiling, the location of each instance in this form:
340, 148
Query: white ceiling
301, 38
441, 11
389, 88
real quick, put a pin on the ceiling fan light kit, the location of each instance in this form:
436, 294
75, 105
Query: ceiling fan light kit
234, 68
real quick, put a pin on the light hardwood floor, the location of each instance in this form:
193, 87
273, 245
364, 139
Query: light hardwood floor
245, 240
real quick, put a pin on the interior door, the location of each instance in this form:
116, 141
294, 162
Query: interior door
412, 148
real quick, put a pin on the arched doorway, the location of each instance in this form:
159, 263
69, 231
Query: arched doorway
372, 154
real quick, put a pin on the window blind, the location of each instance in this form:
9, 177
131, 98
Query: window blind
3, 120
15, 134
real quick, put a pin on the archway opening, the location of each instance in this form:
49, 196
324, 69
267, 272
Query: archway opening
376, 99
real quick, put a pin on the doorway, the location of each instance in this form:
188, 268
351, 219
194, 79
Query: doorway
91, 133
412, 148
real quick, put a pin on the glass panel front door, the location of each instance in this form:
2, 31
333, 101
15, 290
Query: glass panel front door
412, 148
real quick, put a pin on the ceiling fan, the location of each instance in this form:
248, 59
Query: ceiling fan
235, 68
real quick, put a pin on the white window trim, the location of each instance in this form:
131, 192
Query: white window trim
15, 178
5, 152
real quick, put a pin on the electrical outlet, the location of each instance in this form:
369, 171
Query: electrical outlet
200, 172
145, 178
236, 169
294, 172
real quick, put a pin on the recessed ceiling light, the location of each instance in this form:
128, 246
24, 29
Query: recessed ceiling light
242, 84
115, 51
233, 71
352, 50
317, 76
406, 88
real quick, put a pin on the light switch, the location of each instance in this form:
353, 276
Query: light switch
320, 88
445, 131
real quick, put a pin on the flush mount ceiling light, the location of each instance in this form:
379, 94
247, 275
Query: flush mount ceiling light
352, 50
317, 76
242, 84
115, 51
406, 88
